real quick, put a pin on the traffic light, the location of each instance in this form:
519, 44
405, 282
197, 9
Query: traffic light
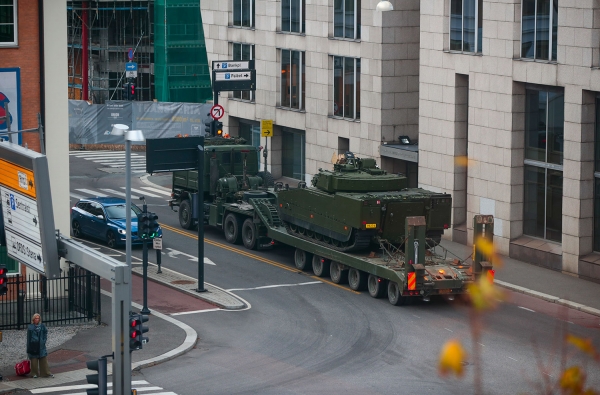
153, 225
218, 128
132, 91
126, 91
3, 280
209, 128
100, 379
136, 331
143, 225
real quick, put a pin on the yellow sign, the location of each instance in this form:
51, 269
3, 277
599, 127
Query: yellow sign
17, 178
266, 128
370, 226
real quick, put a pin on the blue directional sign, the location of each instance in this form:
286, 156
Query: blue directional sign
131, 69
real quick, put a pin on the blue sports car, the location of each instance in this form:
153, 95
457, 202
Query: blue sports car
104, 218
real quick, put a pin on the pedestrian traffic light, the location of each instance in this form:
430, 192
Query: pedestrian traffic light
136, 331
143, 225
209, 127
3, 280
218, 128
153, 225
126, 91
100, 379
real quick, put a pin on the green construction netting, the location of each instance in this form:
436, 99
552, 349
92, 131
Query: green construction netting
181, 66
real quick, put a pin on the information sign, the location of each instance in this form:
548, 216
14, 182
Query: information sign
131, 69
244, 80
157, 243
266, 128
233, 64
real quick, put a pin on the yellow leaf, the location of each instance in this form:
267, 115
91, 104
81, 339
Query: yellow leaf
451, 358
572, 380
584, 345
487, 248
484, 294
461, 161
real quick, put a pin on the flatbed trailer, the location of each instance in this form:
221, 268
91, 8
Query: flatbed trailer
425, 274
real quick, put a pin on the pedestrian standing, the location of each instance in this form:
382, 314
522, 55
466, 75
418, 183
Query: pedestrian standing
37, 334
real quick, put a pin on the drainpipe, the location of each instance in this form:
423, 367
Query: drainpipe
84, 51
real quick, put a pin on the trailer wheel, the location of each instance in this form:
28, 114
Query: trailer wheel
357, 279
185, 214
320, 266
376, 286
337, 274
394, 295
232, 228
249, 236
301, 259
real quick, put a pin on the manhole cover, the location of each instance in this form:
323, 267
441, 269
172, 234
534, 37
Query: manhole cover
183, 282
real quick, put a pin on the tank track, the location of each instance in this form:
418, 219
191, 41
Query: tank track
360, 240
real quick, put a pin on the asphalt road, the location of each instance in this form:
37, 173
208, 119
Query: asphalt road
307, 336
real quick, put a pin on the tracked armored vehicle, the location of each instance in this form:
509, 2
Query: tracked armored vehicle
347, 208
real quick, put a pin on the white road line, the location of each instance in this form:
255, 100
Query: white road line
274, 286
76, 196
525, 308
448, 329
167, 193
118, 193
196, 311
416, 316
513, 359
77, 387
482, 345
90, 192
142, 193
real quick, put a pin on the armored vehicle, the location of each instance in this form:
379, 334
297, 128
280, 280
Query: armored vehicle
348, 207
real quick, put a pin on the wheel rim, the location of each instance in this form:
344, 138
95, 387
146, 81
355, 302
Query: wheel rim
111, 240
353, 278
372, 285
335, 272
393, 293
318, 267
76, 229
300, 259
229, 228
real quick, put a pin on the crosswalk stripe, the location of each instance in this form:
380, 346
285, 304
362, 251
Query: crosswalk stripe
142, 193
167, 193
118, 193
46, 390
90, 192
76, 196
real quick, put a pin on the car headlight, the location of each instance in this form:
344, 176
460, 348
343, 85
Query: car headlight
122, 231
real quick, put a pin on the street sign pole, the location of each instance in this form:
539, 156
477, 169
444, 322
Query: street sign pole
200, 211
144, 309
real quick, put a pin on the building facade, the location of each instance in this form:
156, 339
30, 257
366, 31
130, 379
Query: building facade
509, 123
333, 76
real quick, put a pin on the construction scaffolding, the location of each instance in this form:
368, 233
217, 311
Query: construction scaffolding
166, 37
100, 35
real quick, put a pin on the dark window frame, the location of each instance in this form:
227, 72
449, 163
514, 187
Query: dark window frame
300, 21
346, 102
286, 98
460, 45
342, 17
9, 24
534, 49
242, 95
240, 9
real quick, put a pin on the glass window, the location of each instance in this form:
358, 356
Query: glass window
544, 124
243, 13
466, 25
597, 178
292, 153
346, 87
8, 22
292, 79
243, 52
346, 18
539, 27
118, 211
292, 16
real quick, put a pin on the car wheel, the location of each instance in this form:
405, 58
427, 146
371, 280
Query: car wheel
185, 215
111, 240
76, 229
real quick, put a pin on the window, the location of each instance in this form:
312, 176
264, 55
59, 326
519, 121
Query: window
346, 87
597, 177
292, 153
243, 13
544, 143
466, 25
292, 16
346, 19
243, 52
292, 79
539, 26
8, 22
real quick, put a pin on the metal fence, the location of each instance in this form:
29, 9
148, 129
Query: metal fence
72, 298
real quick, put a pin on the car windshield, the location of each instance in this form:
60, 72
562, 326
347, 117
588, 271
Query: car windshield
118, 211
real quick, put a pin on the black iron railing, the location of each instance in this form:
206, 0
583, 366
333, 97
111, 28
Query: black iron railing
74, 297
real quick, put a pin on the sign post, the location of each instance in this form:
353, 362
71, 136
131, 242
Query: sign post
266, 130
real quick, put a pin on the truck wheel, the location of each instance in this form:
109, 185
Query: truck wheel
249, 236
268, 179
376, 286
337, 274
320, 266
232, 228
394, 295
357, 279
185, 215
301, 259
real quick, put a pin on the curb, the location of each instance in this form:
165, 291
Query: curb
549, 298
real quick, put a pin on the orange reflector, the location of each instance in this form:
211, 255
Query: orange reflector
490, 275
441, 271
412, 280
312, 216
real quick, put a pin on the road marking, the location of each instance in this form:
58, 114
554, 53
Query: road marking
196, 311
143, 193
525, 308
274, 286
513, 359
77, 387
482, 345
448, 329
76, 196
167, 193
416, 316
118, 193
90, 192
173, 254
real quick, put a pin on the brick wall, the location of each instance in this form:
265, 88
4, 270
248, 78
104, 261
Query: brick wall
26, 57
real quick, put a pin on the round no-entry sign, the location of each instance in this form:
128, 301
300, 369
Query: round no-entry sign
217, 111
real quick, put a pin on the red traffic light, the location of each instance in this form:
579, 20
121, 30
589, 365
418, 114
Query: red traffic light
3, 271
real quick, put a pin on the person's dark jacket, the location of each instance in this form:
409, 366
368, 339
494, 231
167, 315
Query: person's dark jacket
36, 335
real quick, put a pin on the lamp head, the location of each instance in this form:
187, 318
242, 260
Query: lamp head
135, 135
384, 5
119, 129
